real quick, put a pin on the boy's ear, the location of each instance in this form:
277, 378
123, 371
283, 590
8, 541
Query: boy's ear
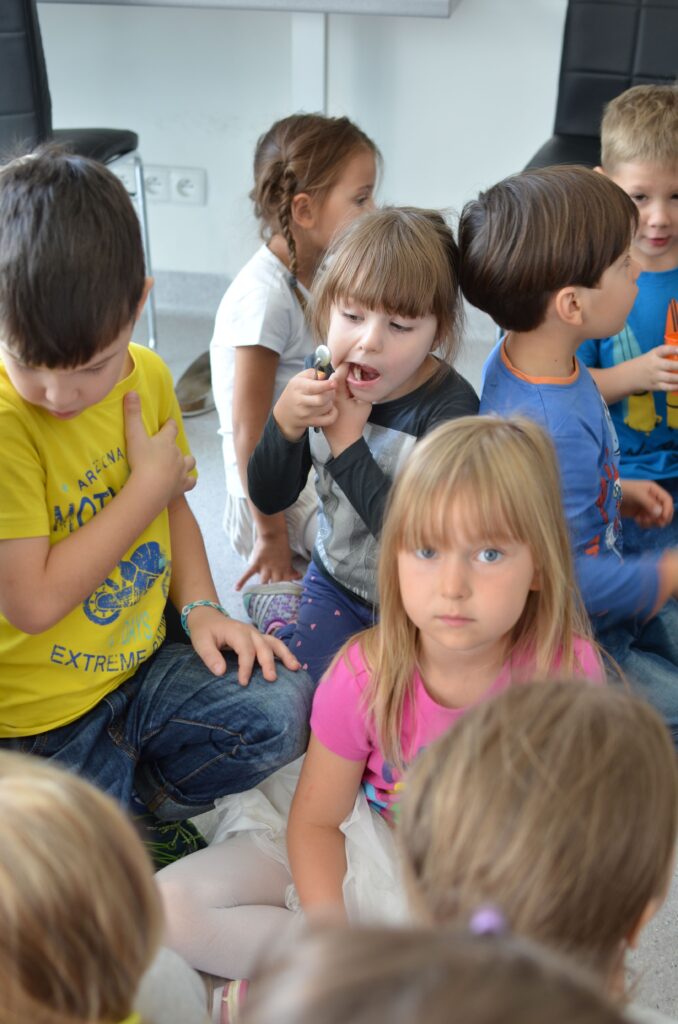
303, 210
148, 284
566, 305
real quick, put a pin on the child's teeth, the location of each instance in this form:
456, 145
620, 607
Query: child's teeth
357, 373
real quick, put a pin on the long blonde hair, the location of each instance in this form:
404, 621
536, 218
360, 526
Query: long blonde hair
556, 803
505, 475
80, 918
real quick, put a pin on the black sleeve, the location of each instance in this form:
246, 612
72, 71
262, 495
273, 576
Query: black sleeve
277, 470
363, 483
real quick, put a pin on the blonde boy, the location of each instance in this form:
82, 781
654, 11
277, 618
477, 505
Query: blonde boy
633, 368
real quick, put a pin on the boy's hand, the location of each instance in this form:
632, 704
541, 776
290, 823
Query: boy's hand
272, 559
211, 631
655, 370
646, 503
352, 415
305, 402
160, 463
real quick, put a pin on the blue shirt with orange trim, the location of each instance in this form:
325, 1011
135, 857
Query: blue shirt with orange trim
574, 414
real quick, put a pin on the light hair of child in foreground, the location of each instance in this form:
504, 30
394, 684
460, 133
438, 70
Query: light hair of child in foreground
416, 975
558, 805
80, 919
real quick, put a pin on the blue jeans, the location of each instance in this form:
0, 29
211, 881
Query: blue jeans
327, 617
648, 655
178, 737
656, 538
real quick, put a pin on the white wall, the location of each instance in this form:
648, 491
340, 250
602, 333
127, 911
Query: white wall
453, 104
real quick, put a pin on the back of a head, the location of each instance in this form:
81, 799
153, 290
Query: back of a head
79, 915
402, 260
537, 232
641, 126
412, 975
71, 259
555, 801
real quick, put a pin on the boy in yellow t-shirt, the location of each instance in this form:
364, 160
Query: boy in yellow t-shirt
96, 533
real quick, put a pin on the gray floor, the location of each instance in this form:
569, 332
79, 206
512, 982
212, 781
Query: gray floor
182, 337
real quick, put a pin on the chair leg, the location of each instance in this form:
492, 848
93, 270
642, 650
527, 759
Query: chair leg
141, 207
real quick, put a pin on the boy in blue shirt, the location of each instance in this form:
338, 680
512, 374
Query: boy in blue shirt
633, 367
95, 530
547, 254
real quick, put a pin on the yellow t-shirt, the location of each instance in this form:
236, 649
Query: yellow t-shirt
54, 476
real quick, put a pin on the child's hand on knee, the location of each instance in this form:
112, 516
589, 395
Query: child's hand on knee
647, 503
159, 462
305, 402
211, 631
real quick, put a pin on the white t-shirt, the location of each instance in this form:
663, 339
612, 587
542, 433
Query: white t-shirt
259, 308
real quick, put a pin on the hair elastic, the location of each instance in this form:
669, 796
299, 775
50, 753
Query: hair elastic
134, 1018
487, 920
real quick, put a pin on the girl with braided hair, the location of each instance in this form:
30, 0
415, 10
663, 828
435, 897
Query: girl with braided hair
312, 175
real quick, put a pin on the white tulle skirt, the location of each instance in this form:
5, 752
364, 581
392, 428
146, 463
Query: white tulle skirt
373, 891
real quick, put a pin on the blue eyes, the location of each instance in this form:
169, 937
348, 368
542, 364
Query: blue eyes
489, 555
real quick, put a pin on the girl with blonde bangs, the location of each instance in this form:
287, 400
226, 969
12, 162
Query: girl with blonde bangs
80, 919
556, 804
503, 477
386, 303
477, 594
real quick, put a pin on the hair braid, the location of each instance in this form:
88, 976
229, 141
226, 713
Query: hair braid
287, 192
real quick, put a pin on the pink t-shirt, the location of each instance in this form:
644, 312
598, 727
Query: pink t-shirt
340, 722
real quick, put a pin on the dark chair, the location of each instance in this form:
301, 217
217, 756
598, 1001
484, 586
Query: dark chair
608, 46
26, 114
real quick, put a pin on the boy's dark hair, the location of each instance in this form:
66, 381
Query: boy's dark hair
539, 231
71, 258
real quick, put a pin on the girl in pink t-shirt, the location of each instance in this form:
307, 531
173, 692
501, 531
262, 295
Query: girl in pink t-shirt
476, 592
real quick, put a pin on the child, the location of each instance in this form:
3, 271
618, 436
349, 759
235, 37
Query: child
476, 593
95, 529
79, 915
559, 806
546, 254
386, 297
408, 975
312, 174
633, 368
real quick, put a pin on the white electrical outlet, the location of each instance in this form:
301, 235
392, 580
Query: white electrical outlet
188, 185
157, 183
125, 171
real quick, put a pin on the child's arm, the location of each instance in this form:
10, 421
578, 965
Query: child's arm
255, 368
653, 371
210, 629
40, 584
325, 794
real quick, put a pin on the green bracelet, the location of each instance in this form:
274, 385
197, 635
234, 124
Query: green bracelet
188, 608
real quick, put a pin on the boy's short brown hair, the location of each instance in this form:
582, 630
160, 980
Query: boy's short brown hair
641, 125
539, 231
71, 258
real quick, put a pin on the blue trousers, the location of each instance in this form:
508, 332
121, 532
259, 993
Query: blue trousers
648, 655
327, 617
177, 737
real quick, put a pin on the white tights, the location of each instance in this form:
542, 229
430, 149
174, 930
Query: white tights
224, 906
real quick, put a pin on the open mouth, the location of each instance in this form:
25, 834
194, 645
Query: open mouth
362, 373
